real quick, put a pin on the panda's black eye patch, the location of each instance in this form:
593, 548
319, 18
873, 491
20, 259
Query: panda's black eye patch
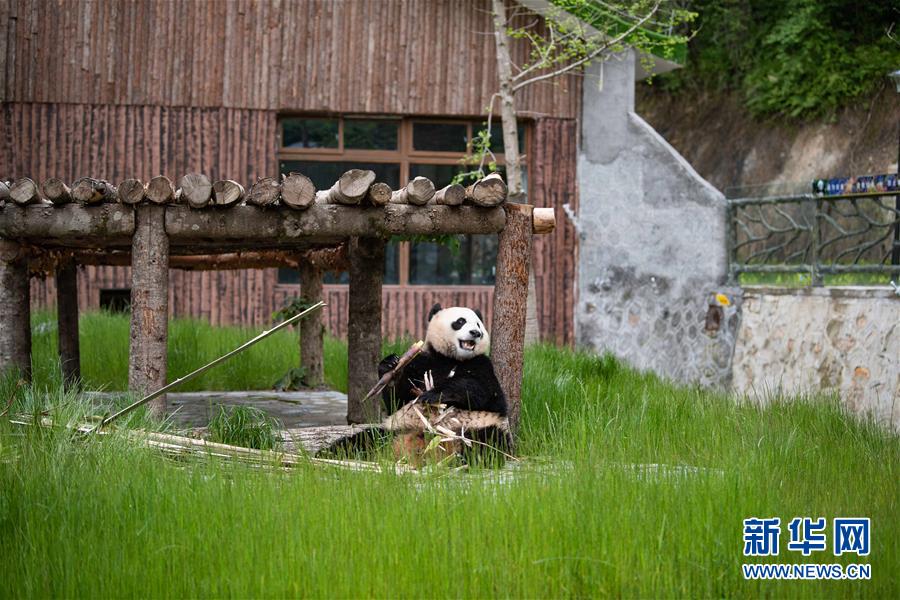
458, 324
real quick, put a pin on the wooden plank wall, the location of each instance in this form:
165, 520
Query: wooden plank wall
388, 56
553, 184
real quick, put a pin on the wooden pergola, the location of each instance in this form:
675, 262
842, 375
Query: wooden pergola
199, 224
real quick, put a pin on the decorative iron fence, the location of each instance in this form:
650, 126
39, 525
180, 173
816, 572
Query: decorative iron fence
814, 234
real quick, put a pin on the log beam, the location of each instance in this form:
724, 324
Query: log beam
15, 310
510, 297
364, 327
149, 305
312, 328
67, 322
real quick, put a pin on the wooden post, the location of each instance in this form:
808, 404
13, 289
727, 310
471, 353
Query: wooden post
510, 297
149, 304
67, 321
312, 328
364, 327
15, 310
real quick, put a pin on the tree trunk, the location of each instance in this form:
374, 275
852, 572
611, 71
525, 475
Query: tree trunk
196, 189
298, 191
15, 310
265, 192
312, 328
149, 305
67, 322
160, 190
57, 191
510, 292
364, 328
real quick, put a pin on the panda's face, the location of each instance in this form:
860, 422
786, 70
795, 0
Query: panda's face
457, 332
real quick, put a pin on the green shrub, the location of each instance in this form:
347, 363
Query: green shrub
245, 426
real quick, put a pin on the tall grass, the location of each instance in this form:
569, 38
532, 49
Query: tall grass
583, 516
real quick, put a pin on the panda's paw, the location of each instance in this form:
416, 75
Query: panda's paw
387, 364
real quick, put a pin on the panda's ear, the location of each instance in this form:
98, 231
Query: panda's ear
434, 310
478, 314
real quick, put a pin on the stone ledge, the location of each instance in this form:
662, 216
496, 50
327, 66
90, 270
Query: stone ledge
850, 291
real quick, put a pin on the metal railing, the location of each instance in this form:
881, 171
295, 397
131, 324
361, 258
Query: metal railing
813, 234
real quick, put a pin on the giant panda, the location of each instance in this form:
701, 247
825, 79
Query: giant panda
450, 384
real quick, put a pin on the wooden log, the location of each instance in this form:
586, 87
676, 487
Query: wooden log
149, 305
328, 259
25, 191
160, 190
56, 191
544, 220
379, 194
418, 192
93, 191
266, 259
196, 189
510, 297
4, 192
298, 191
364, 327
71, 225
132, 191
15, 310
312, 328
265, 192
452, 195
351, 188
67, 322
227, 193
490, 191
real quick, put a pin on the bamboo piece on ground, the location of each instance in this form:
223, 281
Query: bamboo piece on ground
490, 191
196, 189
401, 363
56, 191
209, 366
160, 190
132, 191
227, 192
25, 191
298, 191
418, 192
379, 193
452, 195
93, 191
265, 192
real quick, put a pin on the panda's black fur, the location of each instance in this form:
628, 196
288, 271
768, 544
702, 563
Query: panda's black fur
472, 386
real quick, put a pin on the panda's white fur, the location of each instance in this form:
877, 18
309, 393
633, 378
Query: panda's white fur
463, 343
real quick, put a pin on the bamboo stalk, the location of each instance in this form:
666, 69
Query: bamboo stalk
401, 363
207, 367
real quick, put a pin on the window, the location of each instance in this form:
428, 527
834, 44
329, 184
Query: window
397, 149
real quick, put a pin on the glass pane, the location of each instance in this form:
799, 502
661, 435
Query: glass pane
440, 175
309, 133
436, 264
286, 275
391, 268
325, 173
440, 137
378, 134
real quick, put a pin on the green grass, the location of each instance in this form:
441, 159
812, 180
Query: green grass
89, 518
245, 426
796, 280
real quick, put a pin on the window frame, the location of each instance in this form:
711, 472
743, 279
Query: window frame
405, 155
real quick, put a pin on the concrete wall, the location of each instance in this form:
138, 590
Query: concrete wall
844, 340
652, 242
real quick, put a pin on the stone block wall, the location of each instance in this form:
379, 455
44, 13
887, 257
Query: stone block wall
838, 340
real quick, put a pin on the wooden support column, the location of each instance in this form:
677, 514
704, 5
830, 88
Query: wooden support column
15, 310
510, 298
67, 321
149, 304
364, 327
312, 328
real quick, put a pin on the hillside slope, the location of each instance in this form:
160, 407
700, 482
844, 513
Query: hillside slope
732, 150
